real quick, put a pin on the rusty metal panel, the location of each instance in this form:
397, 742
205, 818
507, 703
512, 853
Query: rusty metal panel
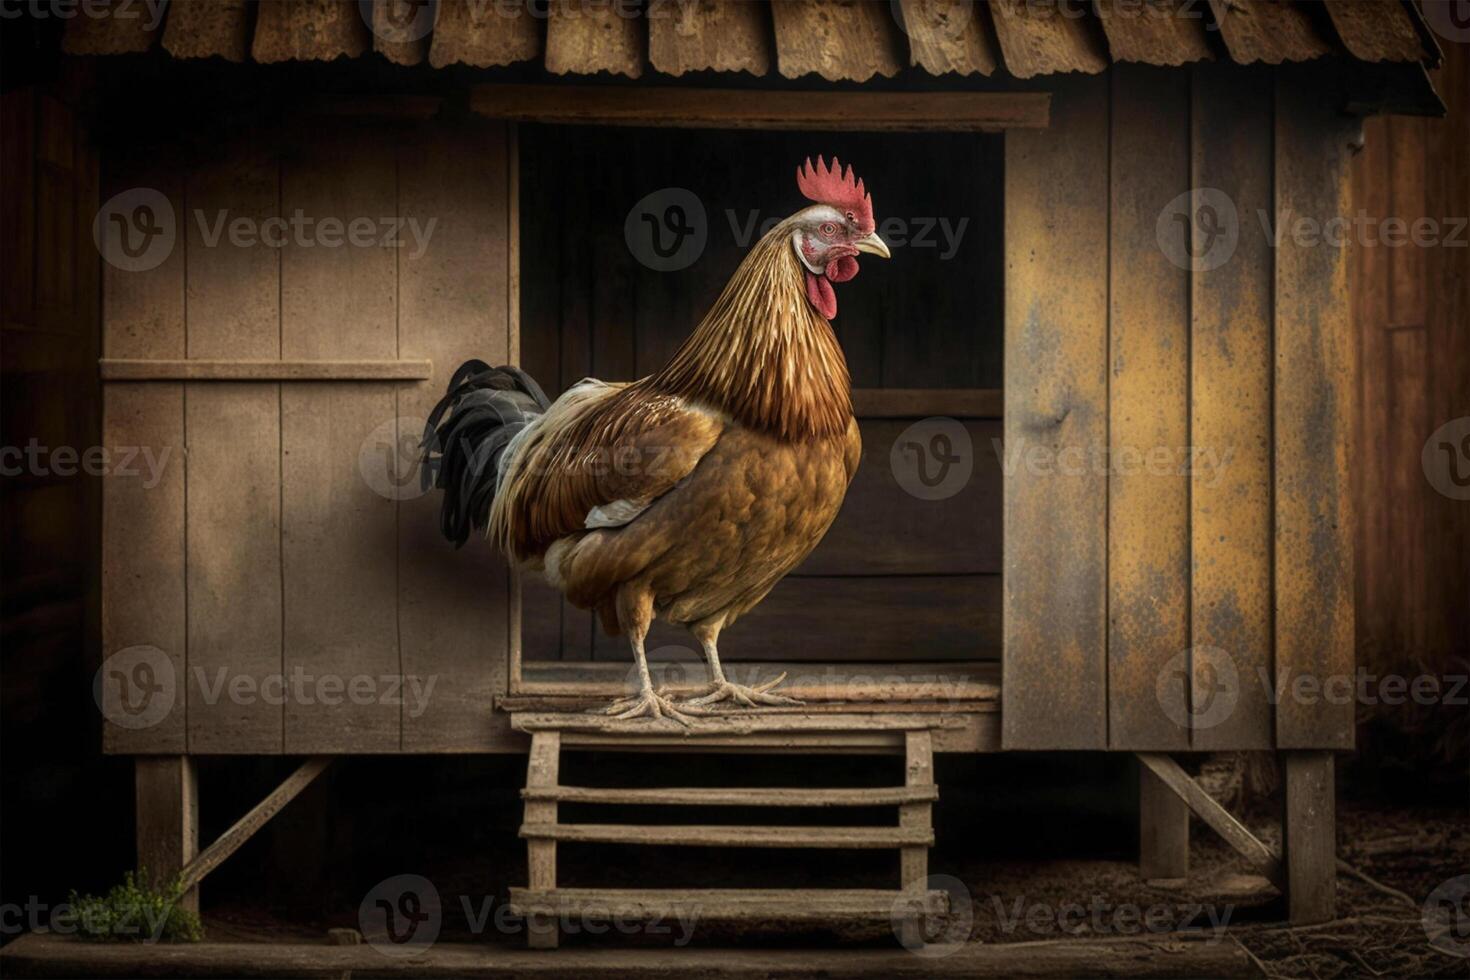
1056, 349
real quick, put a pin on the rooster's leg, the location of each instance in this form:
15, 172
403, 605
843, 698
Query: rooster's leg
635, 613
708, 635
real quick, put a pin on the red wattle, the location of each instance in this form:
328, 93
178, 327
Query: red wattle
842, 269
819, 293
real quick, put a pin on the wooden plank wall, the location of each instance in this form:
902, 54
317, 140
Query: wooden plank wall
265, 558
1411, 305
1167, 624
897, 578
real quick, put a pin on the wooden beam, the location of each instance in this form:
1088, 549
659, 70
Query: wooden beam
243, 829
1220, 820
919, 403
167, 799
691, 108
1163, 830
542, 771
123, 369
732, 836
916, 817
1310, 837
701, 796
805, 905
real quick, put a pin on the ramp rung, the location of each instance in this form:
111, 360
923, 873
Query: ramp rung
766, 796
787, 906
733, 836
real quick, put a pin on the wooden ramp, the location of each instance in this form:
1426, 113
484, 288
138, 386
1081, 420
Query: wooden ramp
544, 905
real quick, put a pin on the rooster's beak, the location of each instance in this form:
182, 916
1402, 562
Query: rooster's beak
873, 245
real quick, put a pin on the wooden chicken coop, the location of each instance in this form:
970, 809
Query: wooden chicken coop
1063, 598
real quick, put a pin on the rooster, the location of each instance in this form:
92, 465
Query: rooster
690, 493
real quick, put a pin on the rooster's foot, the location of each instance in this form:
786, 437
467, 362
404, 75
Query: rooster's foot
749, 697
649, 704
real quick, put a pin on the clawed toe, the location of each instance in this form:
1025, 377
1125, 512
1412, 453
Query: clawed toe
649, 704
748, 697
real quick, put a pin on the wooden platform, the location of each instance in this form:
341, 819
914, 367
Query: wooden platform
1165, 956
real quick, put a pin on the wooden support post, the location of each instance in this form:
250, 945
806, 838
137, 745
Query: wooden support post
1309, 835
167, 802
1163, 830
914, 860
542, 931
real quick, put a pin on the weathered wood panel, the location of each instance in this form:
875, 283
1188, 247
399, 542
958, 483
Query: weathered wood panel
401, 30
233, 431
483, 35
143, 522
1056, 338
947, 36
112, 27
1376, 31
453, 606
839, 41
18, 209
204, 30
585, 39
1148, 416
722, 36
338, 530
309, 30
1044, 39
1230, 412
1314, 371
1167, 33
1268, 31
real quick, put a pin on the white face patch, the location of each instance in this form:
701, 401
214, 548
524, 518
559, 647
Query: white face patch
806, 221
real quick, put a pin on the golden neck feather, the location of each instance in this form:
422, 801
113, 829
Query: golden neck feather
762, 354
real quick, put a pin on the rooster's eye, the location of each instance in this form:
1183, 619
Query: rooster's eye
828, 229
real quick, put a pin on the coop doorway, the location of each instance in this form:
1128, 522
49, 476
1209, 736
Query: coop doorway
903, 596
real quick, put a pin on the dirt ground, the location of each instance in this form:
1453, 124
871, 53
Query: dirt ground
1380, 930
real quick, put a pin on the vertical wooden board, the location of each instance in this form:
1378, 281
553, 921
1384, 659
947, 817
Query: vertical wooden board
234, 567
1148, 417
339, 530
143, 510
1409, 419
166, 800
1230, 416
17, 203
1406, 166
454, 613
1309, 837
1054, 690
1313, 384
55, 259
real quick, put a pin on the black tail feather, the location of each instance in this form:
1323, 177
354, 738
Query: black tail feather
466, 436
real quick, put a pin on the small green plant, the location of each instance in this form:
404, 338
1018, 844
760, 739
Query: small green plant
137, 911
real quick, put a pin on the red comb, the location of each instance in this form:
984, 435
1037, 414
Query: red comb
836, 189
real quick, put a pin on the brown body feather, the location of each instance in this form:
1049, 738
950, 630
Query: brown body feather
733, 460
